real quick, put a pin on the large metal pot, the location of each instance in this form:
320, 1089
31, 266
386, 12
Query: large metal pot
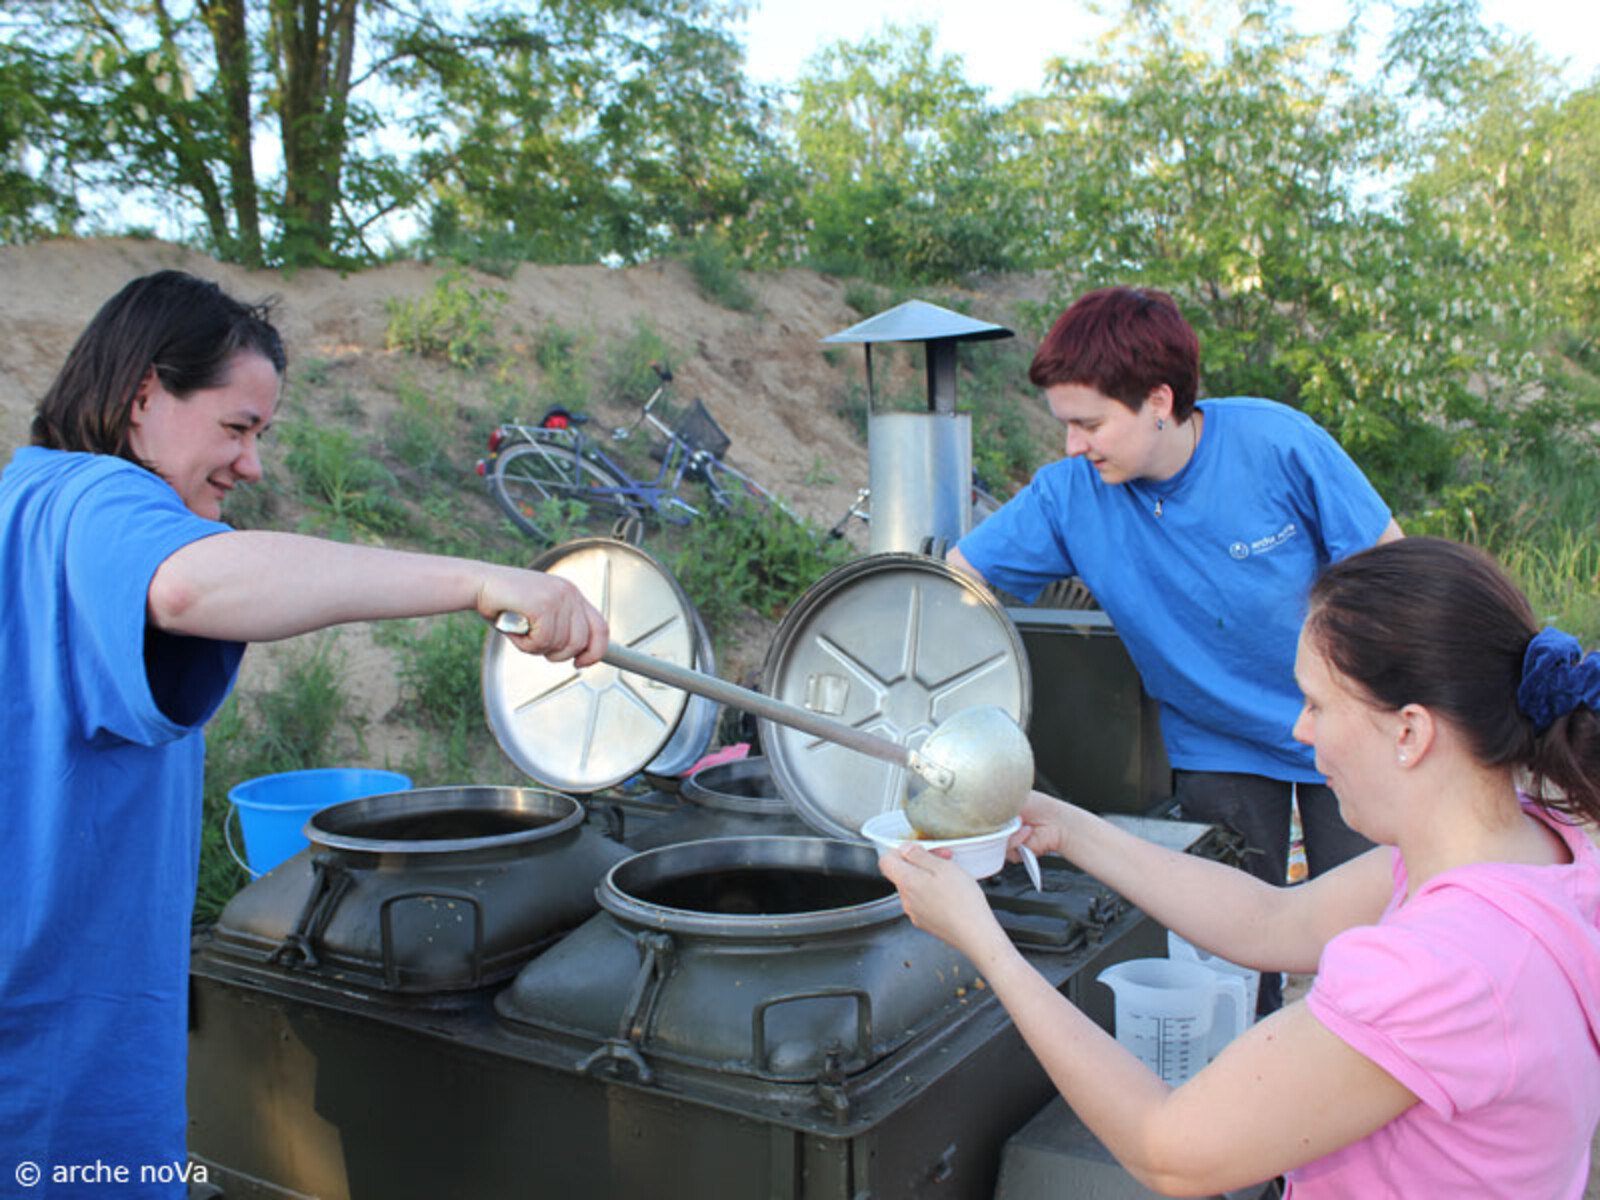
784, 959
729, 799
425, 891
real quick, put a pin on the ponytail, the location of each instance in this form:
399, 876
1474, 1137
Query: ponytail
1432, 622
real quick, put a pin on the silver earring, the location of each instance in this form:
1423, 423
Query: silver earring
1402, 758
1161, 422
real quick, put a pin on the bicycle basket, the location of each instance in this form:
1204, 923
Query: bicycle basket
700, 429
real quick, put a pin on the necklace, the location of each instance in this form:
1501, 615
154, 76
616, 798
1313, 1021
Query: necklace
1194, 428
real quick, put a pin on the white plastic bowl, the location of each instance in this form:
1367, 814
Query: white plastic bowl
980, 855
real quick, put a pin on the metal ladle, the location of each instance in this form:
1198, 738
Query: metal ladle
974, 769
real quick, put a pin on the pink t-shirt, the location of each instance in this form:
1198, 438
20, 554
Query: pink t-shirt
1481, 995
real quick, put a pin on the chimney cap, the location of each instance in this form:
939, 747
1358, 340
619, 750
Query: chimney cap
918, 321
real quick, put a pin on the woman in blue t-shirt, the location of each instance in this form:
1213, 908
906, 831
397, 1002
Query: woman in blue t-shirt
1199, 527
128, 603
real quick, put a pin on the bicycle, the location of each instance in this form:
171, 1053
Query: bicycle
554, 477
983, 505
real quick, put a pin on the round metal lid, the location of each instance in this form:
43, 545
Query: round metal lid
583, 731
890, 643
699, 725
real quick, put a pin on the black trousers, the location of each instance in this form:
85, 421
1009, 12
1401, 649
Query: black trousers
1257, 809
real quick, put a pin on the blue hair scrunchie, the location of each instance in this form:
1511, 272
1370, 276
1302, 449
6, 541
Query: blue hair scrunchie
1556, 678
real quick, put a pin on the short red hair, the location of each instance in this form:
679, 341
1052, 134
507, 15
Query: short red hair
1123, 342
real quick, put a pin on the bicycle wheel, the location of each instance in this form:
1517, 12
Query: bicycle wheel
730, 487
553, 493
984, 505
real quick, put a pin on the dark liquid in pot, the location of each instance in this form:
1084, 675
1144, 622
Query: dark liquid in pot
449, 826
764, 891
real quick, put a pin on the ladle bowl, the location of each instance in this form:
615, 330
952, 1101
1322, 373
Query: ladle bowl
990, 763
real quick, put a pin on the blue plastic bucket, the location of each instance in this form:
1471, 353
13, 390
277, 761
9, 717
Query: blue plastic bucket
273, 809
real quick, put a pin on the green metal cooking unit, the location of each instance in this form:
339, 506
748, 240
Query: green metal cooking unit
524, 1007
742, 1017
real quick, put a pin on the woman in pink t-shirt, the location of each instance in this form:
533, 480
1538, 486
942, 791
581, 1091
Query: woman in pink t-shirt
1450, 1045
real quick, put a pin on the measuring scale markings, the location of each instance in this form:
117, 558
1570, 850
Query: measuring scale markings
1166, 1044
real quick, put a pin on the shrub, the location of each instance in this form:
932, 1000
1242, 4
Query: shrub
628, 374
420, 432
753, 557
348, 489
441, 677
718, 271
565, 378
454, 321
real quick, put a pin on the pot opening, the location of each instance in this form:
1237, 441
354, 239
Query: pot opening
448, 825
763, 891
445, 820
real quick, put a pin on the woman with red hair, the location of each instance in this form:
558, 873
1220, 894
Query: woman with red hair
1199, 526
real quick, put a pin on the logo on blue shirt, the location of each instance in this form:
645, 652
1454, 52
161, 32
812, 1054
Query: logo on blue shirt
1243, 550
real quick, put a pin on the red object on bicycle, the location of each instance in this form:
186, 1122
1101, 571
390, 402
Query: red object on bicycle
495, 438
556, 418
482, 468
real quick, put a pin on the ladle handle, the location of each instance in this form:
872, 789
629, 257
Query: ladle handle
720, 690
761, 705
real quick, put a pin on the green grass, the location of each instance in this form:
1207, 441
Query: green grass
1561, 575
441, 685
718, 272
420, 432
627, 368
346, 490
1536, 509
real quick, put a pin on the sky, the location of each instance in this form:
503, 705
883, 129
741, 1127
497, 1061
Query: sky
1005, 42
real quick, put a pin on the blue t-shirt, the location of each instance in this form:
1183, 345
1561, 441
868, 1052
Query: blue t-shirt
1209, 596
100, 781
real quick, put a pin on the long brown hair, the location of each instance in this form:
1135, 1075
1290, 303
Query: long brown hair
1432, 622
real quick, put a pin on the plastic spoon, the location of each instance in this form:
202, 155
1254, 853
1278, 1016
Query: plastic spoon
1030, 862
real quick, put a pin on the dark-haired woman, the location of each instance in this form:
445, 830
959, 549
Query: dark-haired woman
1199, 527
127, 603
1448, 1046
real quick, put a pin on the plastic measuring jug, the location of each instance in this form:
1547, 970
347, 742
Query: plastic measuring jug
1222, 1032
1166, 1010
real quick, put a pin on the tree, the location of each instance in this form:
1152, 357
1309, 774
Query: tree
1216, 153
612, 147
44, 128
1509, 159
900, 155
170, 101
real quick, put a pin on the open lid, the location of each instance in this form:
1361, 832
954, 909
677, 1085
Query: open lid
893, 644
584, 731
